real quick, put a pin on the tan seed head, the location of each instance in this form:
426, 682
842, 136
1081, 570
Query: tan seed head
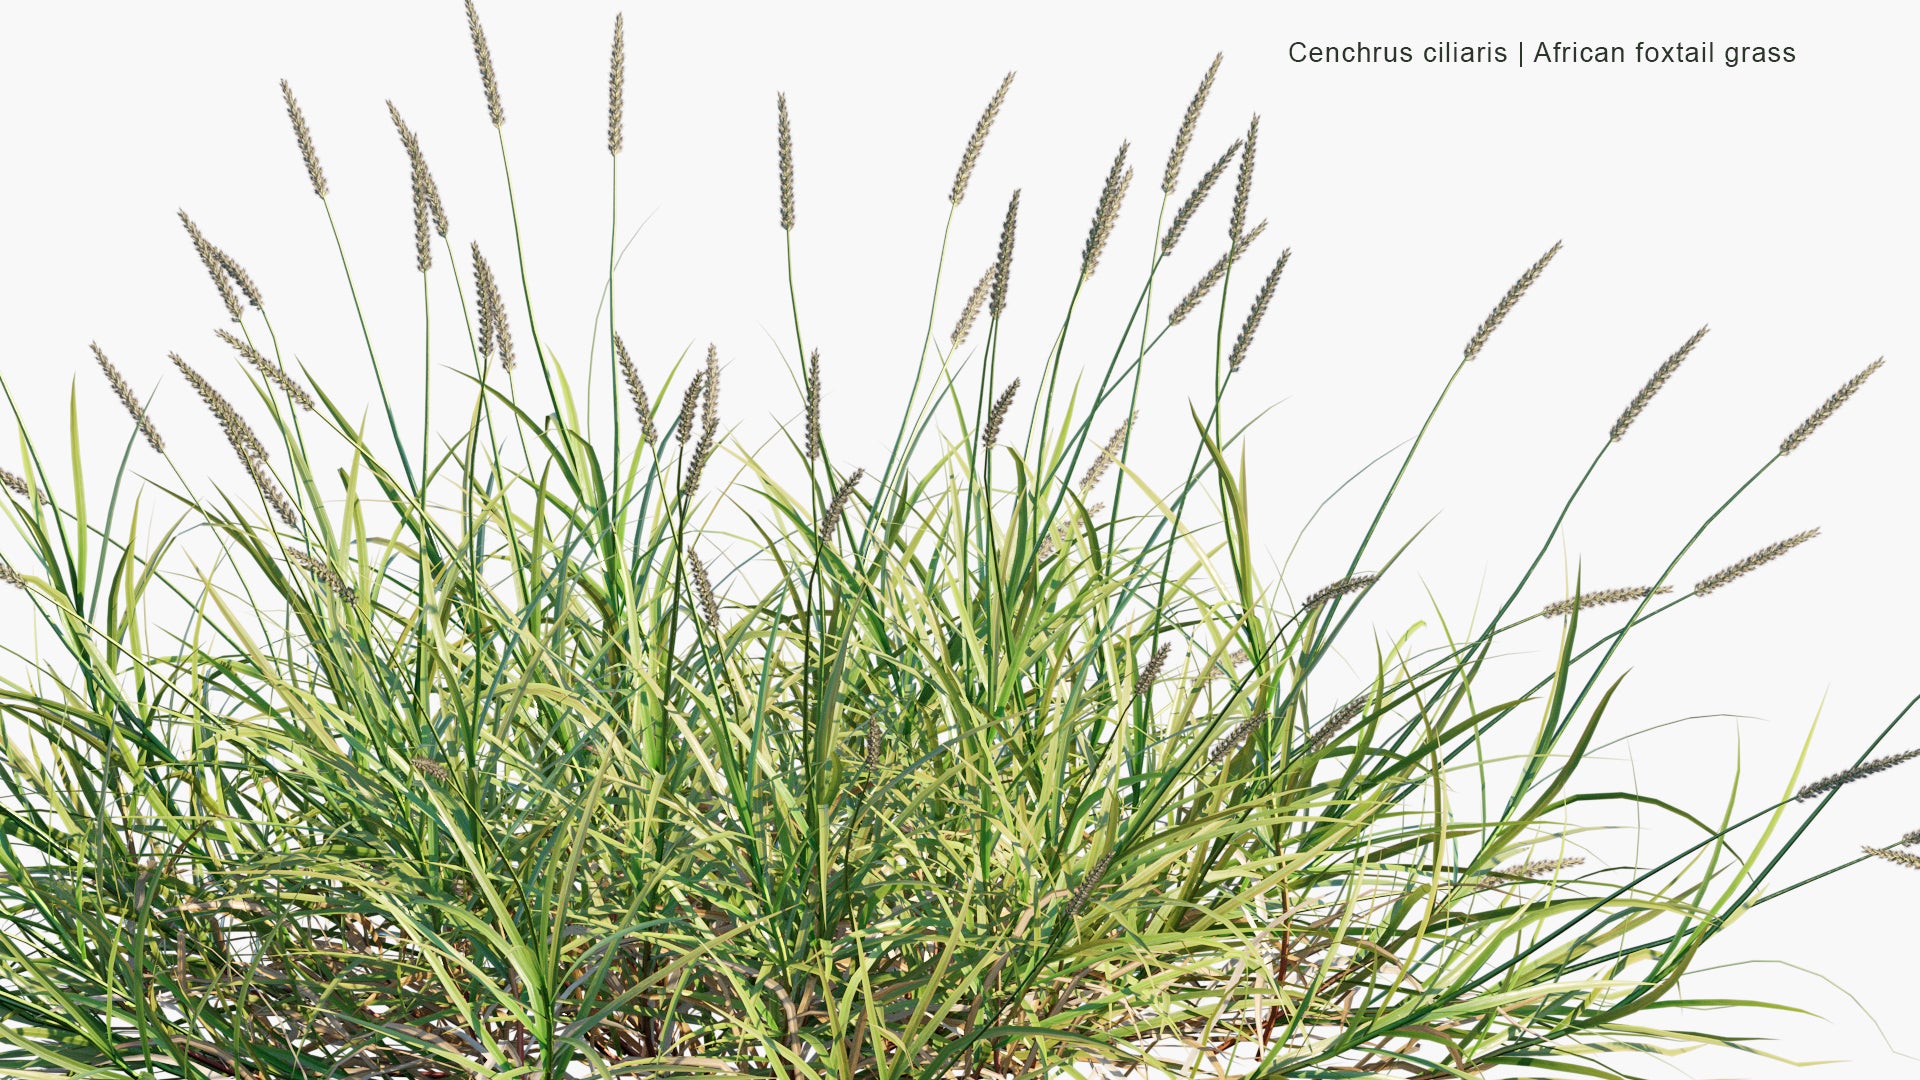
689, 405
1106, 212
488, 82
1187, 125
1087, 884
786, 167
1599, 597
1243, 188
1150, 673
1654, 384
1003, 269
305, 138
1899, 858
125, 394
240, 277
1109, 454
813, 407
210, 258
703, 589
1259, 310
1233, 739
642, 409
1848, 776
972, 311
1529, 870
972, 154
1507, 302
1212, 277
998, 415
1753, 562
17, 484
494, 336
1337, 722
422, 210
1820, 416
617, 87
1187, 209
831, 521
322, 571
270, 370
240, 434
1338, 588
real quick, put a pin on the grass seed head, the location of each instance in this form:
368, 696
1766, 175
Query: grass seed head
273, 372
485, 59
1338, 588
1752, 562
125, 394
270, 491
210, 258
483, 292
502, 336
240, 277
709, 422
1222, 670
1909, 840
1538, 868
1507, 302
11, 576
304, 137
1212, 277
1087, 884
971, 156
431, 768
972, 311
703, 589
422, 207
17, 484
1799, 435
1197, 196
494, 336
325, 573
1003, 268
689, 405
1243, 187
831, 521
1259, 310
1151, 672
425, 191
617, 87
710, 393
642, 408
1233, 739
1337, 722
1106, 212
1599, 597
813, 406
998, 415
1848, 776
1108, 455
1899, 858
1187, 125
240, 434
1654, 384
786, 167
1063, 536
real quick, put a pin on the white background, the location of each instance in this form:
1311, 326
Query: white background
1774, 202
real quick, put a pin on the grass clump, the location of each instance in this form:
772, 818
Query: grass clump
512, 759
